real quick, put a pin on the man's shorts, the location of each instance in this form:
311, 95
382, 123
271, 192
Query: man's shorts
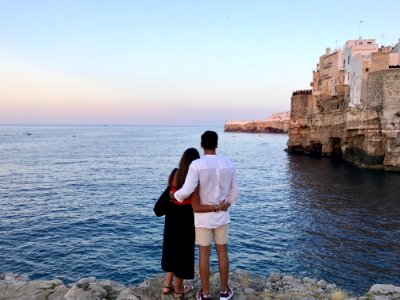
204, 236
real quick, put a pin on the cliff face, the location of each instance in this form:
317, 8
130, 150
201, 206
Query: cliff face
367, 135
276, 123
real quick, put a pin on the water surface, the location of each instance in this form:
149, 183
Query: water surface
77, 201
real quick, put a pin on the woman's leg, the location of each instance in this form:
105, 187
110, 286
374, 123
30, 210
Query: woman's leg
178, 285
180, 289
168, 283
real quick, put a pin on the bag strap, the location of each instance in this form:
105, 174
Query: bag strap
171, 176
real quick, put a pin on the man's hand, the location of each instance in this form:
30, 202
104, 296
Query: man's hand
224, 205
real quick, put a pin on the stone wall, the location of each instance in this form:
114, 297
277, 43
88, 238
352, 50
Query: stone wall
379, 61
367, 135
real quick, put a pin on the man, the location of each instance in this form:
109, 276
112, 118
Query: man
217, 181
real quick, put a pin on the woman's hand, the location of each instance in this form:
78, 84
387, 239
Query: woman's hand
224, 205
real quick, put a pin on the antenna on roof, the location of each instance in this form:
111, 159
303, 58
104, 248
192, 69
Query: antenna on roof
383, 36
337, 47
359, 29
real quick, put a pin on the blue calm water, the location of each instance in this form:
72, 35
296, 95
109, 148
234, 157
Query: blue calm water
77, 201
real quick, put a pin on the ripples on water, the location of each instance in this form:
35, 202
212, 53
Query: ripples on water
77, 201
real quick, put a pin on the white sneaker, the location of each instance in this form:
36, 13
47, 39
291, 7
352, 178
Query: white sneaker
228, 294
201, 296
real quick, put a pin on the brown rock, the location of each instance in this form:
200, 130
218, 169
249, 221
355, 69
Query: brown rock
367, 135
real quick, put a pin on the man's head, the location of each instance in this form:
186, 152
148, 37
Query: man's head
209, 140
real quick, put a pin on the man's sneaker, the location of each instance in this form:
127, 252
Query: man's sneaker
228, 294
201, 296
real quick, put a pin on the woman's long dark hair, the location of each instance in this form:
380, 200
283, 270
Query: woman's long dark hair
188, 156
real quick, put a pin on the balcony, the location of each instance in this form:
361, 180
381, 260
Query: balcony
327, 65
325, 76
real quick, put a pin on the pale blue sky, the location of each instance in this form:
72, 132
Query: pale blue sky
170, 62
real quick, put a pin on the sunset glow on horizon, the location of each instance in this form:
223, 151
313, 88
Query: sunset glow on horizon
169, 62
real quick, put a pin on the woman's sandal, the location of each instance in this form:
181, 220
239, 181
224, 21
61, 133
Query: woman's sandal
186, 290
167, 290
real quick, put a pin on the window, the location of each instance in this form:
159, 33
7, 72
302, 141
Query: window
348, 60
366, 69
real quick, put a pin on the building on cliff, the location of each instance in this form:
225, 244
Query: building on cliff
353, 109
275, 123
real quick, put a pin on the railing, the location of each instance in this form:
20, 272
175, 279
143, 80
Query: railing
302, 92
326, 76
326, 65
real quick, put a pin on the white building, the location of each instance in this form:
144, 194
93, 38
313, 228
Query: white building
345, 72
355, 61
395, 55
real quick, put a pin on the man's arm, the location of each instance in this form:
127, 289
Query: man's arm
206, 208
191, 182
234, 191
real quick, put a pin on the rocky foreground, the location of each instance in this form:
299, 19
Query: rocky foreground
277, 286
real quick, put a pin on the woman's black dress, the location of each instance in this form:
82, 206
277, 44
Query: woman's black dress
178, 244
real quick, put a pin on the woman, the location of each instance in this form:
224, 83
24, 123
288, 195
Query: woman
179, 234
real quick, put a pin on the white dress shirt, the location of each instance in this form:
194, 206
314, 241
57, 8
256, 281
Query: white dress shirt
217, 178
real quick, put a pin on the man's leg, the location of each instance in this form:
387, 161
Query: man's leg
221, 245
223, 265
204, 267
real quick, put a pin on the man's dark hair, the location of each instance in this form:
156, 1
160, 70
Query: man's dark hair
209, 140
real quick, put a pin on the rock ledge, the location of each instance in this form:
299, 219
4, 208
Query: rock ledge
277, 286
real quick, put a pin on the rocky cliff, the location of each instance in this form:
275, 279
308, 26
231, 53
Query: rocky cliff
277, 286
367, 135
275, 123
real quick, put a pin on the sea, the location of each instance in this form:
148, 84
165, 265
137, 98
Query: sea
77, 201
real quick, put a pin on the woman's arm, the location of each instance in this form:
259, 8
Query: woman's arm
202, 208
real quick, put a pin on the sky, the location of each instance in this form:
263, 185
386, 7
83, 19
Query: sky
165, 62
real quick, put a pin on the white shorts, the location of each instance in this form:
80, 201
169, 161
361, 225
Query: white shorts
204, 236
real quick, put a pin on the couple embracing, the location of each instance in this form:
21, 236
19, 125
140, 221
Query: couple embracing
202, 190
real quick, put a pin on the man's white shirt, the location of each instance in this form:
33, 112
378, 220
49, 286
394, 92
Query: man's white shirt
217, 179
